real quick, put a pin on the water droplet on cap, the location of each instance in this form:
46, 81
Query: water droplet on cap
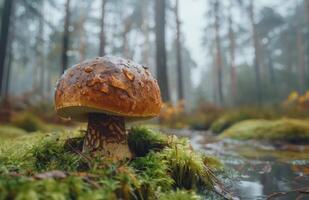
118, 83
141, 83
104, 88
88, 69
128, 74
133, 105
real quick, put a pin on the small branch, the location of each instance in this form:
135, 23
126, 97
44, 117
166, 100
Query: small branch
300, 191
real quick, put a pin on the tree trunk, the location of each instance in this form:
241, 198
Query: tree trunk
301, 61
102, 31
161, 49
256, 53
8, 64
66, 36
82, 42
146, 32
306, 2
125, 42
41, 55
232, 59
218, 51
5, 26
178, 51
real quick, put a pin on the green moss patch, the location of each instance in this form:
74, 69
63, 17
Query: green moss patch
231, 117
180, 195
10, 132
52, 166
32, 123
286, 130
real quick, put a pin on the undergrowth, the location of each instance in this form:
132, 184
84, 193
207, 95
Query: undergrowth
282, 130
52, 166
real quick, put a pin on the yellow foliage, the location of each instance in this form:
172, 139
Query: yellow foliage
296, 100
170, 113
293, 96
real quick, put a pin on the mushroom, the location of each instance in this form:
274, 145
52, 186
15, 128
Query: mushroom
107, 91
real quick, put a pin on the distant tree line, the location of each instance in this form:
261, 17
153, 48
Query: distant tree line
40, 39
260, 53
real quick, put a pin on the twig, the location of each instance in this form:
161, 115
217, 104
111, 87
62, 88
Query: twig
303, 190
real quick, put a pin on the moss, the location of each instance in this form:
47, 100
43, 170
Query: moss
202, 121
28, 122
282, 155
180, 195
152, 170
167, 164
9, 132
142, 140
187, 168
286, 130
226, 120
32, 123
50, 155
230, 117
212, 162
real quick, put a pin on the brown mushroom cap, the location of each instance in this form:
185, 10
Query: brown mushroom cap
107, 85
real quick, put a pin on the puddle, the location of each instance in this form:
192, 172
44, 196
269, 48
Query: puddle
263, 169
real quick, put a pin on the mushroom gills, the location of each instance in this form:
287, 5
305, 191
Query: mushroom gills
106, 136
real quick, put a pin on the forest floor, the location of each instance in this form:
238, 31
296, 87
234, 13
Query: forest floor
249, 153
51, 165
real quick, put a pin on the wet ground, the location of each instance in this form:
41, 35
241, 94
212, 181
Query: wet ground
262, 170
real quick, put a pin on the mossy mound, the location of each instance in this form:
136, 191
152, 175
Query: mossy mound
52, 166
227, 120
202, 121
28, 122
285, 130
232, 117
32, 123
9, 132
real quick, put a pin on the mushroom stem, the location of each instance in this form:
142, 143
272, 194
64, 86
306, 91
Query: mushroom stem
106, 136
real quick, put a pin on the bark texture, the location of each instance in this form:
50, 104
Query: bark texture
218, 52
102, 31
161, 49
179, 49
4, 34
256, 53
66, 36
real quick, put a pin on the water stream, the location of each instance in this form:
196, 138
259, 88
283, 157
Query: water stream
261, 169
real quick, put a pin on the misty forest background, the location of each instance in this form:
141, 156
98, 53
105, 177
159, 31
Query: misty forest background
255, 54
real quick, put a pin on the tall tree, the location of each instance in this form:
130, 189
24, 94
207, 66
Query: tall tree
178, 52
128, 21
256, 52
161, 49
5, 25
66, 36
40, 55
146, 47
233, 73
218, 51
102, 31
301, 60
10, 58
306, 4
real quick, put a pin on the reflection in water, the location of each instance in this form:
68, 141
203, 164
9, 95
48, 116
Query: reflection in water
249, 189
263, 169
